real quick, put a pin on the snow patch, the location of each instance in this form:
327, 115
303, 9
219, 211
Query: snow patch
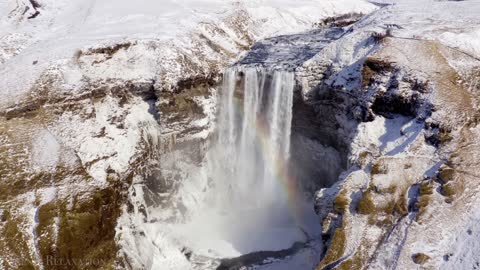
46, 150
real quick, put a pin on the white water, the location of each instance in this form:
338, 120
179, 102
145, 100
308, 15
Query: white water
247, 206
254, 138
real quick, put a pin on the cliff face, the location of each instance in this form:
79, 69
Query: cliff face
407, 192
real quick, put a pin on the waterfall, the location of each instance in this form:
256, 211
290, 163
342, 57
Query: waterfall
250, 202
252, 150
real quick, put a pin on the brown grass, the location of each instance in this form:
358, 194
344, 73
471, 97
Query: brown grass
448, 190
426, 188
341, 202
401, 205
365, 204
85, 232
378, 168
389, 208
446, 174
391, 189
420, 258
373, 66
335, 250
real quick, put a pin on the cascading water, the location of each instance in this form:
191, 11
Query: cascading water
251, 203
250, 159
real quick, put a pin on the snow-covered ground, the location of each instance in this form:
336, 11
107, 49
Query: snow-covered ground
29, 46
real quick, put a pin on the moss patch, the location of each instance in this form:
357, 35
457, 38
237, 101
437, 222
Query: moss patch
373, 66
446, 174
14, 244
181, 104
420, 258
356, 261
389, 208
335, 250
401, 205
448, 190
426, 188
365, 204
378, 168
421, 205
352, 263
341, 202
86, 232
444, 136
390, 190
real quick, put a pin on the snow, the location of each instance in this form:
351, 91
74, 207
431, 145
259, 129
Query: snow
229, 235
468, 41
434, 20
63, 27
116, 147
393, 136
209, 109
413, 20
398, 143
465, 249
48, 194
46, 150
388, 257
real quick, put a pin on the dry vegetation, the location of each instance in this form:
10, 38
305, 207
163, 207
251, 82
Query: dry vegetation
420, 258
335, 250
425, 190
373, 66
341, 202
365, 204
85, 232
378, 168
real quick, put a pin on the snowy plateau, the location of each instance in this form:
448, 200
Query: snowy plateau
239, 134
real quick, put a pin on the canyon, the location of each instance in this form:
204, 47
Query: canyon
239, 134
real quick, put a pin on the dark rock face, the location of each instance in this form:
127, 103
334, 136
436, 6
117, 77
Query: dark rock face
437, 134
386, 105
340, 21
324, 124
290, 51
403, 95
317, 154
179, 108
178, 111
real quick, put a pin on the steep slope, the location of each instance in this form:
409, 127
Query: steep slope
409, 190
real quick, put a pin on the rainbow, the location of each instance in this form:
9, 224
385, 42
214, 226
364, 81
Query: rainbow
278, 165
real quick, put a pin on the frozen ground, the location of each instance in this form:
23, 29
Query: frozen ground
29, 46
229, 235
